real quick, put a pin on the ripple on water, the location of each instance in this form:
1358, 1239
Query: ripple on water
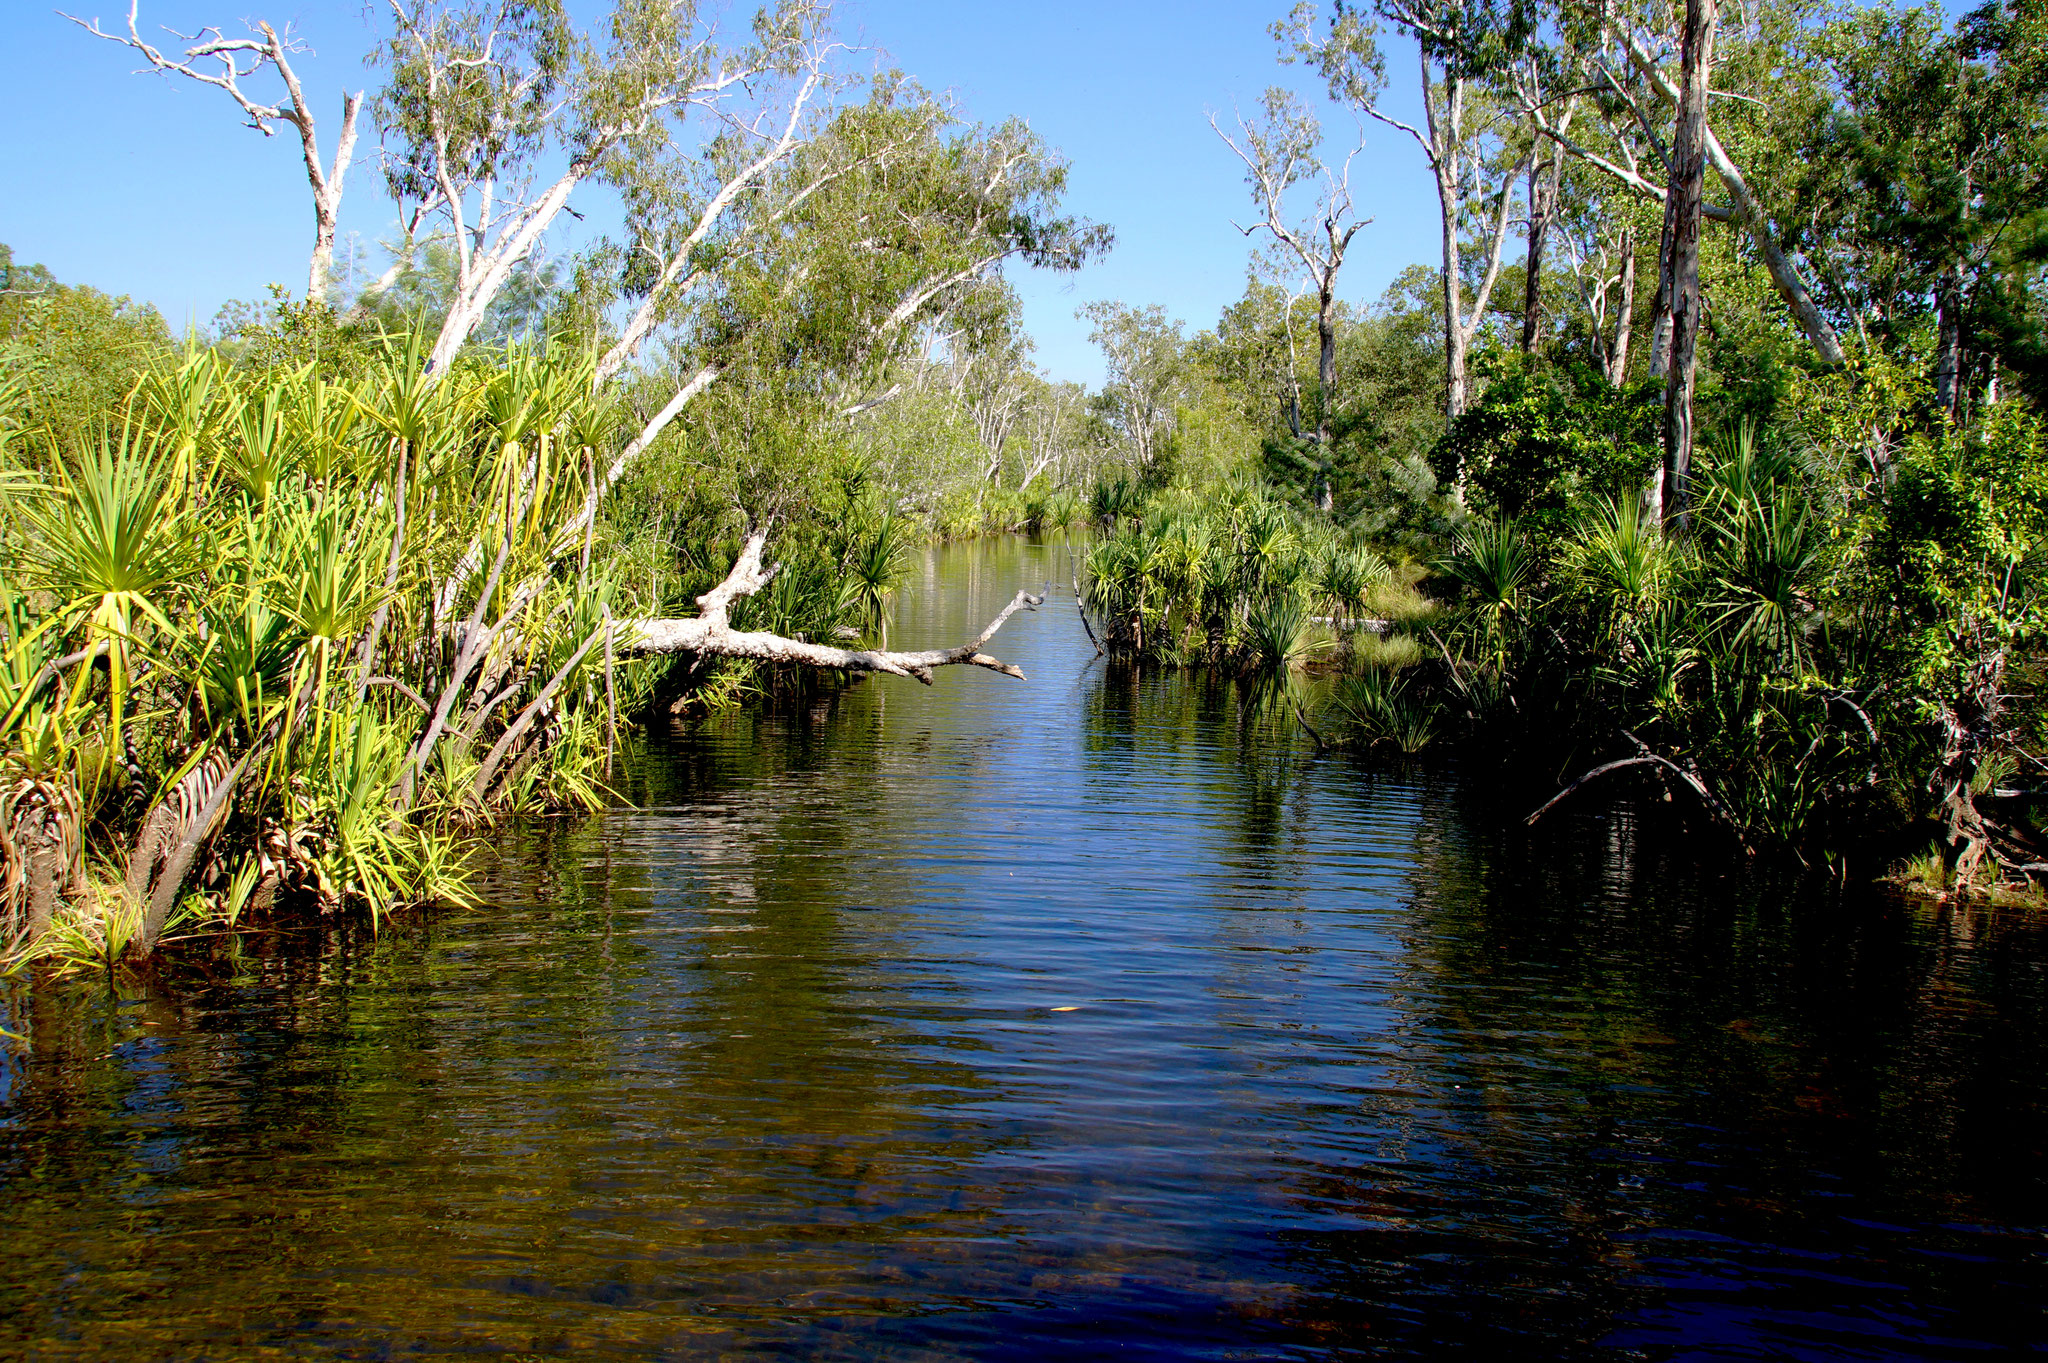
1082, 1016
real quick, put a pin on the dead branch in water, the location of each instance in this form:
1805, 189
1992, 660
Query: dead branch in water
710, 634
1646, 758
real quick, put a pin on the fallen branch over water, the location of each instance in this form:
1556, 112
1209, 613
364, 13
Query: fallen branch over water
1646, 758
711, 635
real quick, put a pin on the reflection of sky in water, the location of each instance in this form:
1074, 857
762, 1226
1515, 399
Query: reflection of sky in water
1079, 1016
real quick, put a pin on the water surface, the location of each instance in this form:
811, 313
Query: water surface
1087, 1016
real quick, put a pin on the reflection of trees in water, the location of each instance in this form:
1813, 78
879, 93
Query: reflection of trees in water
1229, 744
698, 1065
671, 1048
1609, 1060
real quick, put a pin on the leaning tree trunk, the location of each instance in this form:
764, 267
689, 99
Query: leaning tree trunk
1687, 198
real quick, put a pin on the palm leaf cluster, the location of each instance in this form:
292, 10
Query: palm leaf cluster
1235, 576
1796, 652
271, 637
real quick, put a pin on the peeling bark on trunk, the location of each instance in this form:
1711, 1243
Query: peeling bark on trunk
1744, 209
41, 856
1684, 201
1326, 382
1542, 198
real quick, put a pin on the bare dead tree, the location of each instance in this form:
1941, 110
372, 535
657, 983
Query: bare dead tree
228, 64
1458, 124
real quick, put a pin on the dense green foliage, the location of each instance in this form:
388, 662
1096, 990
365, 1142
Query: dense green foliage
1837, 645
292, 608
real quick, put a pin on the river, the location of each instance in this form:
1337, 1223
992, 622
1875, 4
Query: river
1093, 1015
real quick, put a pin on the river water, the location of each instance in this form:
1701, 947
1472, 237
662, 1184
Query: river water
1092, 1015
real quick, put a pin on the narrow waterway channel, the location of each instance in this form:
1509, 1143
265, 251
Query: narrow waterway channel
1085, 1016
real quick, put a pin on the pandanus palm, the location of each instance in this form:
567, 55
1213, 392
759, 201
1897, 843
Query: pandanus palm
876, 569
1764, 565
1621, 559
109, 542
41, 815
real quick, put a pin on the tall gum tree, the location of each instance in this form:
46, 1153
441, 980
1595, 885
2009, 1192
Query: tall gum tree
497, 111
1684, 202
1144, 356
888, 222
1616, 58
1461, 137
1280, 151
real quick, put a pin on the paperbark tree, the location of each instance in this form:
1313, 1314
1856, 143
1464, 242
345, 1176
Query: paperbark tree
1144, 354
1279, 153
1609, 59
228, 64
1603, 268
1546, 177
1684, 202
886, 222
889, 221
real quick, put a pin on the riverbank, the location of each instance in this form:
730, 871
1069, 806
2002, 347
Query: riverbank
1004, 1019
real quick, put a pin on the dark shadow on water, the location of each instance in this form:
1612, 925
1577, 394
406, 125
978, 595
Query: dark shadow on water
1090, 1016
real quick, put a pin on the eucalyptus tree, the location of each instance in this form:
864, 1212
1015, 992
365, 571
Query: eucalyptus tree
1280, 152
1920, 185
895, 221
1546, 183
819, 258
1145, 358
1600, 227
230, 65
496, 111
1255, 352
1052, 426
1465, 137
1683, 203
1617, 57
988, 370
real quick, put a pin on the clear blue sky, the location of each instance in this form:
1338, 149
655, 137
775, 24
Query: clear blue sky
148, 186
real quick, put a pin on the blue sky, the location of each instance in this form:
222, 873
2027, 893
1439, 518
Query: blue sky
147, 186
